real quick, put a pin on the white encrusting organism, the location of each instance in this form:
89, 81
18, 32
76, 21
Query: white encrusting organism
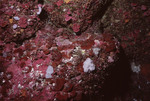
96, 51
49, 72
16, 18
88, 65
40, 10
135, 68
15, 26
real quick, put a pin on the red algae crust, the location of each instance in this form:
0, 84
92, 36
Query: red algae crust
71, 77
55, 64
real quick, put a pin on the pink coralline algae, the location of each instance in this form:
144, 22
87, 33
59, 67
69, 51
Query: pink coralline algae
17, 21
133, 4
67, 17
23, 22
68, 69
76, 27
59, 2
143, 7
25, 6
48, 63
80, 13
3, 23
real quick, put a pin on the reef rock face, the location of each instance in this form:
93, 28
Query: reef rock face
63, 68
19, 20
55, 65
76, 15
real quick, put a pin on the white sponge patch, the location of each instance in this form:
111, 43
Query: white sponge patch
49, 72
88, 65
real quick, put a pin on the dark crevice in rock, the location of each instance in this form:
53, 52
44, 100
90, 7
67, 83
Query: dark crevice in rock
44, 15
22, 1
41, 2
117, 83
20, 42
102, 10
119, 80
98, 16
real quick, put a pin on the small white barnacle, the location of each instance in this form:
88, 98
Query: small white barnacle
49, 72
15, 26
16, 18
40, 10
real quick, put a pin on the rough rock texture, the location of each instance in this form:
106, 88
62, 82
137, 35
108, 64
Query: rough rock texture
18, 20
27, 65
45, 46
128, 21
75, 15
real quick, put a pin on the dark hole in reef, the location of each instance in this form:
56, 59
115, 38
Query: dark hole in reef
102, 10
96, 17
44, 15
22, 1
117, 84
69, 22
78, 33
41, 1
20, 42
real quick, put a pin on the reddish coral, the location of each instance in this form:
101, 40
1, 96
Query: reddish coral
56, 55
110, 47
59, 2
46, 51
67, 87
107, 37
81, 19
62, 96
143, 7
87, 44
134, 4
76, 27
27, 61
80, 67
67, 17
59, 84
72, 94
79, 96
25, 6
19, 51
23, 22
3, 23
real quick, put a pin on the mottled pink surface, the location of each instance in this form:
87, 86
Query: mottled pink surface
29, 62
65, 50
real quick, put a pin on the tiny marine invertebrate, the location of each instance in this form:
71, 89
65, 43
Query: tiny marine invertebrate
88, 65
49, 72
